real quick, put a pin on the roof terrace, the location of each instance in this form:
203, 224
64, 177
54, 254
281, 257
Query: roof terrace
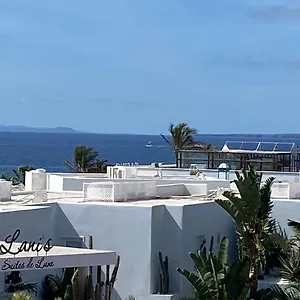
264, 156
259, 147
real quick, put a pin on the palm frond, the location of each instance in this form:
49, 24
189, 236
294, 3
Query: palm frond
182, 135
295, 225
265, 196
70, 166
166, 140
230, 208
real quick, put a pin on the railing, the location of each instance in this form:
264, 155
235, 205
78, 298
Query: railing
119, 191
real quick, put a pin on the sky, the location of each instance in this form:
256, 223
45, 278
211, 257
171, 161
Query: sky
135, 66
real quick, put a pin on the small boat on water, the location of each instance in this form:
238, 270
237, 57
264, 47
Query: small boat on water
149, 144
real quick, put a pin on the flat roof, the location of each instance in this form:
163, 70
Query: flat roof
77, 197
13, 206
56, 258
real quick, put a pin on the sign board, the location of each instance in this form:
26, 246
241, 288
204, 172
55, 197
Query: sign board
42, 255
35, 263
34, 247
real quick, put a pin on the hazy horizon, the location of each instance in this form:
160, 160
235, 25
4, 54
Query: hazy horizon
14, 128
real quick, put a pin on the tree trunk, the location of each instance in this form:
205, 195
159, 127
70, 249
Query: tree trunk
253, 283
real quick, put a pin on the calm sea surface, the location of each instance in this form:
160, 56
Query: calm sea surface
48, 151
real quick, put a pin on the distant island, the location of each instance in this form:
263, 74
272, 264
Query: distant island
19, 128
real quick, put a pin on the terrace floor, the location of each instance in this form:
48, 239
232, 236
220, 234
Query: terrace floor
77, 197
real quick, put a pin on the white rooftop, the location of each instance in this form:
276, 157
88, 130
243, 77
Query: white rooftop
72, 197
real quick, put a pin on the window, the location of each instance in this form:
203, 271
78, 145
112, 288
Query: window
74, 242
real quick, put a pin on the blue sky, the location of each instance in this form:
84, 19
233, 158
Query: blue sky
223, 66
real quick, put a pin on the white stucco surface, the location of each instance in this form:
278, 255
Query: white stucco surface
174, 224
138, 231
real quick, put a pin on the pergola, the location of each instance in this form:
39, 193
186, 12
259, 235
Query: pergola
56, 258
264, 156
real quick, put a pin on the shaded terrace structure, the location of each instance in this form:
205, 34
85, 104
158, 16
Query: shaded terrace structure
56, 258
264, 156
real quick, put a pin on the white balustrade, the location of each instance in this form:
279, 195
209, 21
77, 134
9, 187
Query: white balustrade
120, 191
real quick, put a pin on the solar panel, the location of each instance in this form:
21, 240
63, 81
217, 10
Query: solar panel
232, 145
250, 146
284, 147
267, 146
260, 146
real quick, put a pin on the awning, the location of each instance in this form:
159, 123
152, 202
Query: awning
56, 258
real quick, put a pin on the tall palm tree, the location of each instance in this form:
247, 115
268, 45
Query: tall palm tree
182, 136
84, 158
251, 212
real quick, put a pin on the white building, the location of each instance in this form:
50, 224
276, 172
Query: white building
161, 210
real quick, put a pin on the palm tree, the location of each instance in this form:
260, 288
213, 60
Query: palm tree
209, 147
215, 279
20, 174
182, 136
251, 212
290, 264
100, 166
84, 158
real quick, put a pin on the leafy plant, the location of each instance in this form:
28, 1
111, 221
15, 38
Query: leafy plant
182, 136
22, 296
256, 230
277, 247
209, 147
56, 286
215, 279
277, 293
295, 225
86, 161
19, 175
290, 263
14, 283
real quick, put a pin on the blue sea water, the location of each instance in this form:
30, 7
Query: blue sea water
49, 150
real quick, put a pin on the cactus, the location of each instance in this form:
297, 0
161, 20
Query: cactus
102, 289
76, 285
203, 246
164, 274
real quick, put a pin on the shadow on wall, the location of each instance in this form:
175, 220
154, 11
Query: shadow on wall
64, 230
166, 237
178, 230
201, 222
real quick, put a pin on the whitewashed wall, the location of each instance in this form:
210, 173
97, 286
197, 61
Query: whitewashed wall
139, 232
34, 224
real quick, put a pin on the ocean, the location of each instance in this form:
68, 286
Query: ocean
49, 150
